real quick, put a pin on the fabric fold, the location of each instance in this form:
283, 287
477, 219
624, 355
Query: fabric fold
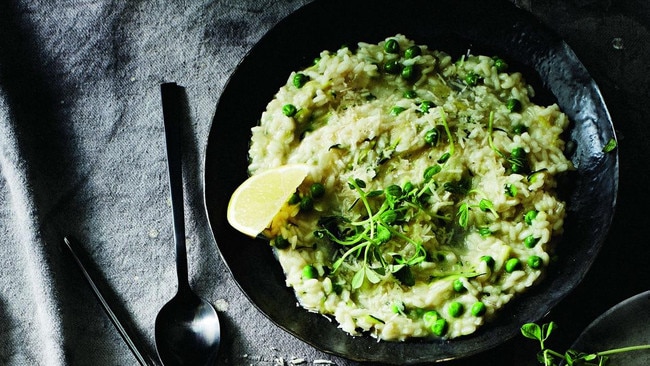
28, 299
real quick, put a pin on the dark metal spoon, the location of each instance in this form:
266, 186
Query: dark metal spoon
187, 327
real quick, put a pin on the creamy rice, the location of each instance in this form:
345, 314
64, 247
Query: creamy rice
478, 229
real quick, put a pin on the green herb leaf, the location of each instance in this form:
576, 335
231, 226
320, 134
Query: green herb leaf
532, 331
610, 146
357, 280
463, 215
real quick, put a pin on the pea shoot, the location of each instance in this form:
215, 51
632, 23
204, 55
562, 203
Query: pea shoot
549, 357
362, 242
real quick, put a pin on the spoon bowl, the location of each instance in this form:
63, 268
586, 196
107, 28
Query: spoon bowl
187, 327
187, 331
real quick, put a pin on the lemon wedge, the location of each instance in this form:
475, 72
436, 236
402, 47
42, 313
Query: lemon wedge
255, 202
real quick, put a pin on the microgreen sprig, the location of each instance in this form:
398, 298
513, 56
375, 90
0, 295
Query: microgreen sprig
365, 239
572, 357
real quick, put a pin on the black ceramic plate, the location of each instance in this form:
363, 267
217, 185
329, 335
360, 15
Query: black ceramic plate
625, 324
455, 26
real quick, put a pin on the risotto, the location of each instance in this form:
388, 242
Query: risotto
430, 201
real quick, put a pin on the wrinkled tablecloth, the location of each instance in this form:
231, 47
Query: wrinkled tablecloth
82, 154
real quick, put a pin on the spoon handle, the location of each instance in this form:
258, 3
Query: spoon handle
135, 346
171, 105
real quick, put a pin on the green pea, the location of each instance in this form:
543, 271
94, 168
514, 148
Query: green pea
299, 80
530, 216
478, 309
281, 242
294, 199
412, 52
391, 46
471, 79
443, 158
517, 168
455, 309
512, 265
426, 105
429, 318
309, 272
392, 67
396, 110
513, 105
535, 262
317, 190
519, 129
530, 241
431, 137
306, 203
488, 260
500, 64
510, 190
459, 286
408, 72
410, 94
484, 232
289, 110
518, 153
439, 327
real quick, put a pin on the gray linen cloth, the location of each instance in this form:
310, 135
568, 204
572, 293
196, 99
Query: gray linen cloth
82, 154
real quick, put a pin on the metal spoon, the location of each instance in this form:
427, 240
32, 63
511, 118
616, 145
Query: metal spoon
187, 327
